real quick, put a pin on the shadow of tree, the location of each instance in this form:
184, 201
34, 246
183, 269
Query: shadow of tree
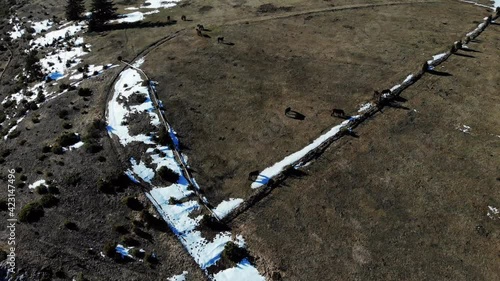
131, 25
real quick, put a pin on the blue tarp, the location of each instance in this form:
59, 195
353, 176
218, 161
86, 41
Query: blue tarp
55, 75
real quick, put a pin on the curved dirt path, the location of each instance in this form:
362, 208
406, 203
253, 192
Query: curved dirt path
282, 15
7, 64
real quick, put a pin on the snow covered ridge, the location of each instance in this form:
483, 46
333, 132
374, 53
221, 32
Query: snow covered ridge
176, 202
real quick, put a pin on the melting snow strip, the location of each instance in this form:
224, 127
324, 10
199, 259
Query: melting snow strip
226, 206
268, 173
177, 213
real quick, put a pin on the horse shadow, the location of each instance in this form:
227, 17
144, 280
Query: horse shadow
295, 115
228, 43
438, 73
464, 55
470, 50
139, 24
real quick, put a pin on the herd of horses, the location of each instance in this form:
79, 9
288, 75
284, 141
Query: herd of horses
199, 31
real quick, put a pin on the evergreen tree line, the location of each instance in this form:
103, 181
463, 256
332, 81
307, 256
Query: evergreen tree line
101, 12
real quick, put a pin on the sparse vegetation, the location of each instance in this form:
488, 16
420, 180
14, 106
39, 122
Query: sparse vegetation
234, 253
68, 139
31, 212
105, 186
109, 249
57, 149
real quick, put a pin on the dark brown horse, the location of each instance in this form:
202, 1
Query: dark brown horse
220, 39
338, 112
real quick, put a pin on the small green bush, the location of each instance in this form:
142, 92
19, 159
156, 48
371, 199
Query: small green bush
68, 139
41, 189
70, 225
84, 92
137, 253
57, 149
46, 149
49, 201
121, 228
234, 253
31, 212
92, 147
151, 259
63, 113
164, 138
133, 203
73, 179
52, 189
110, 249
168, 175
105, 186
173, 201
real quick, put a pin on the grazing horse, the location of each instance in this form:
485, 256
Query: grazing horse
337, 112
198, 31
200, 27
183, 18
220, 39
287, 110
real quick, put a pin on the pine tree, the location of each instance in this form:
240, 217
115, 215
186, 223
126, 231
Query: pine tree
32, 67
102, 11
74, 9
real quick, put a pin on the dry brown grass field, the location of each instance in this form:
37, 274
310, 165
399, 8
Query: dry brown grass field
406, 199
